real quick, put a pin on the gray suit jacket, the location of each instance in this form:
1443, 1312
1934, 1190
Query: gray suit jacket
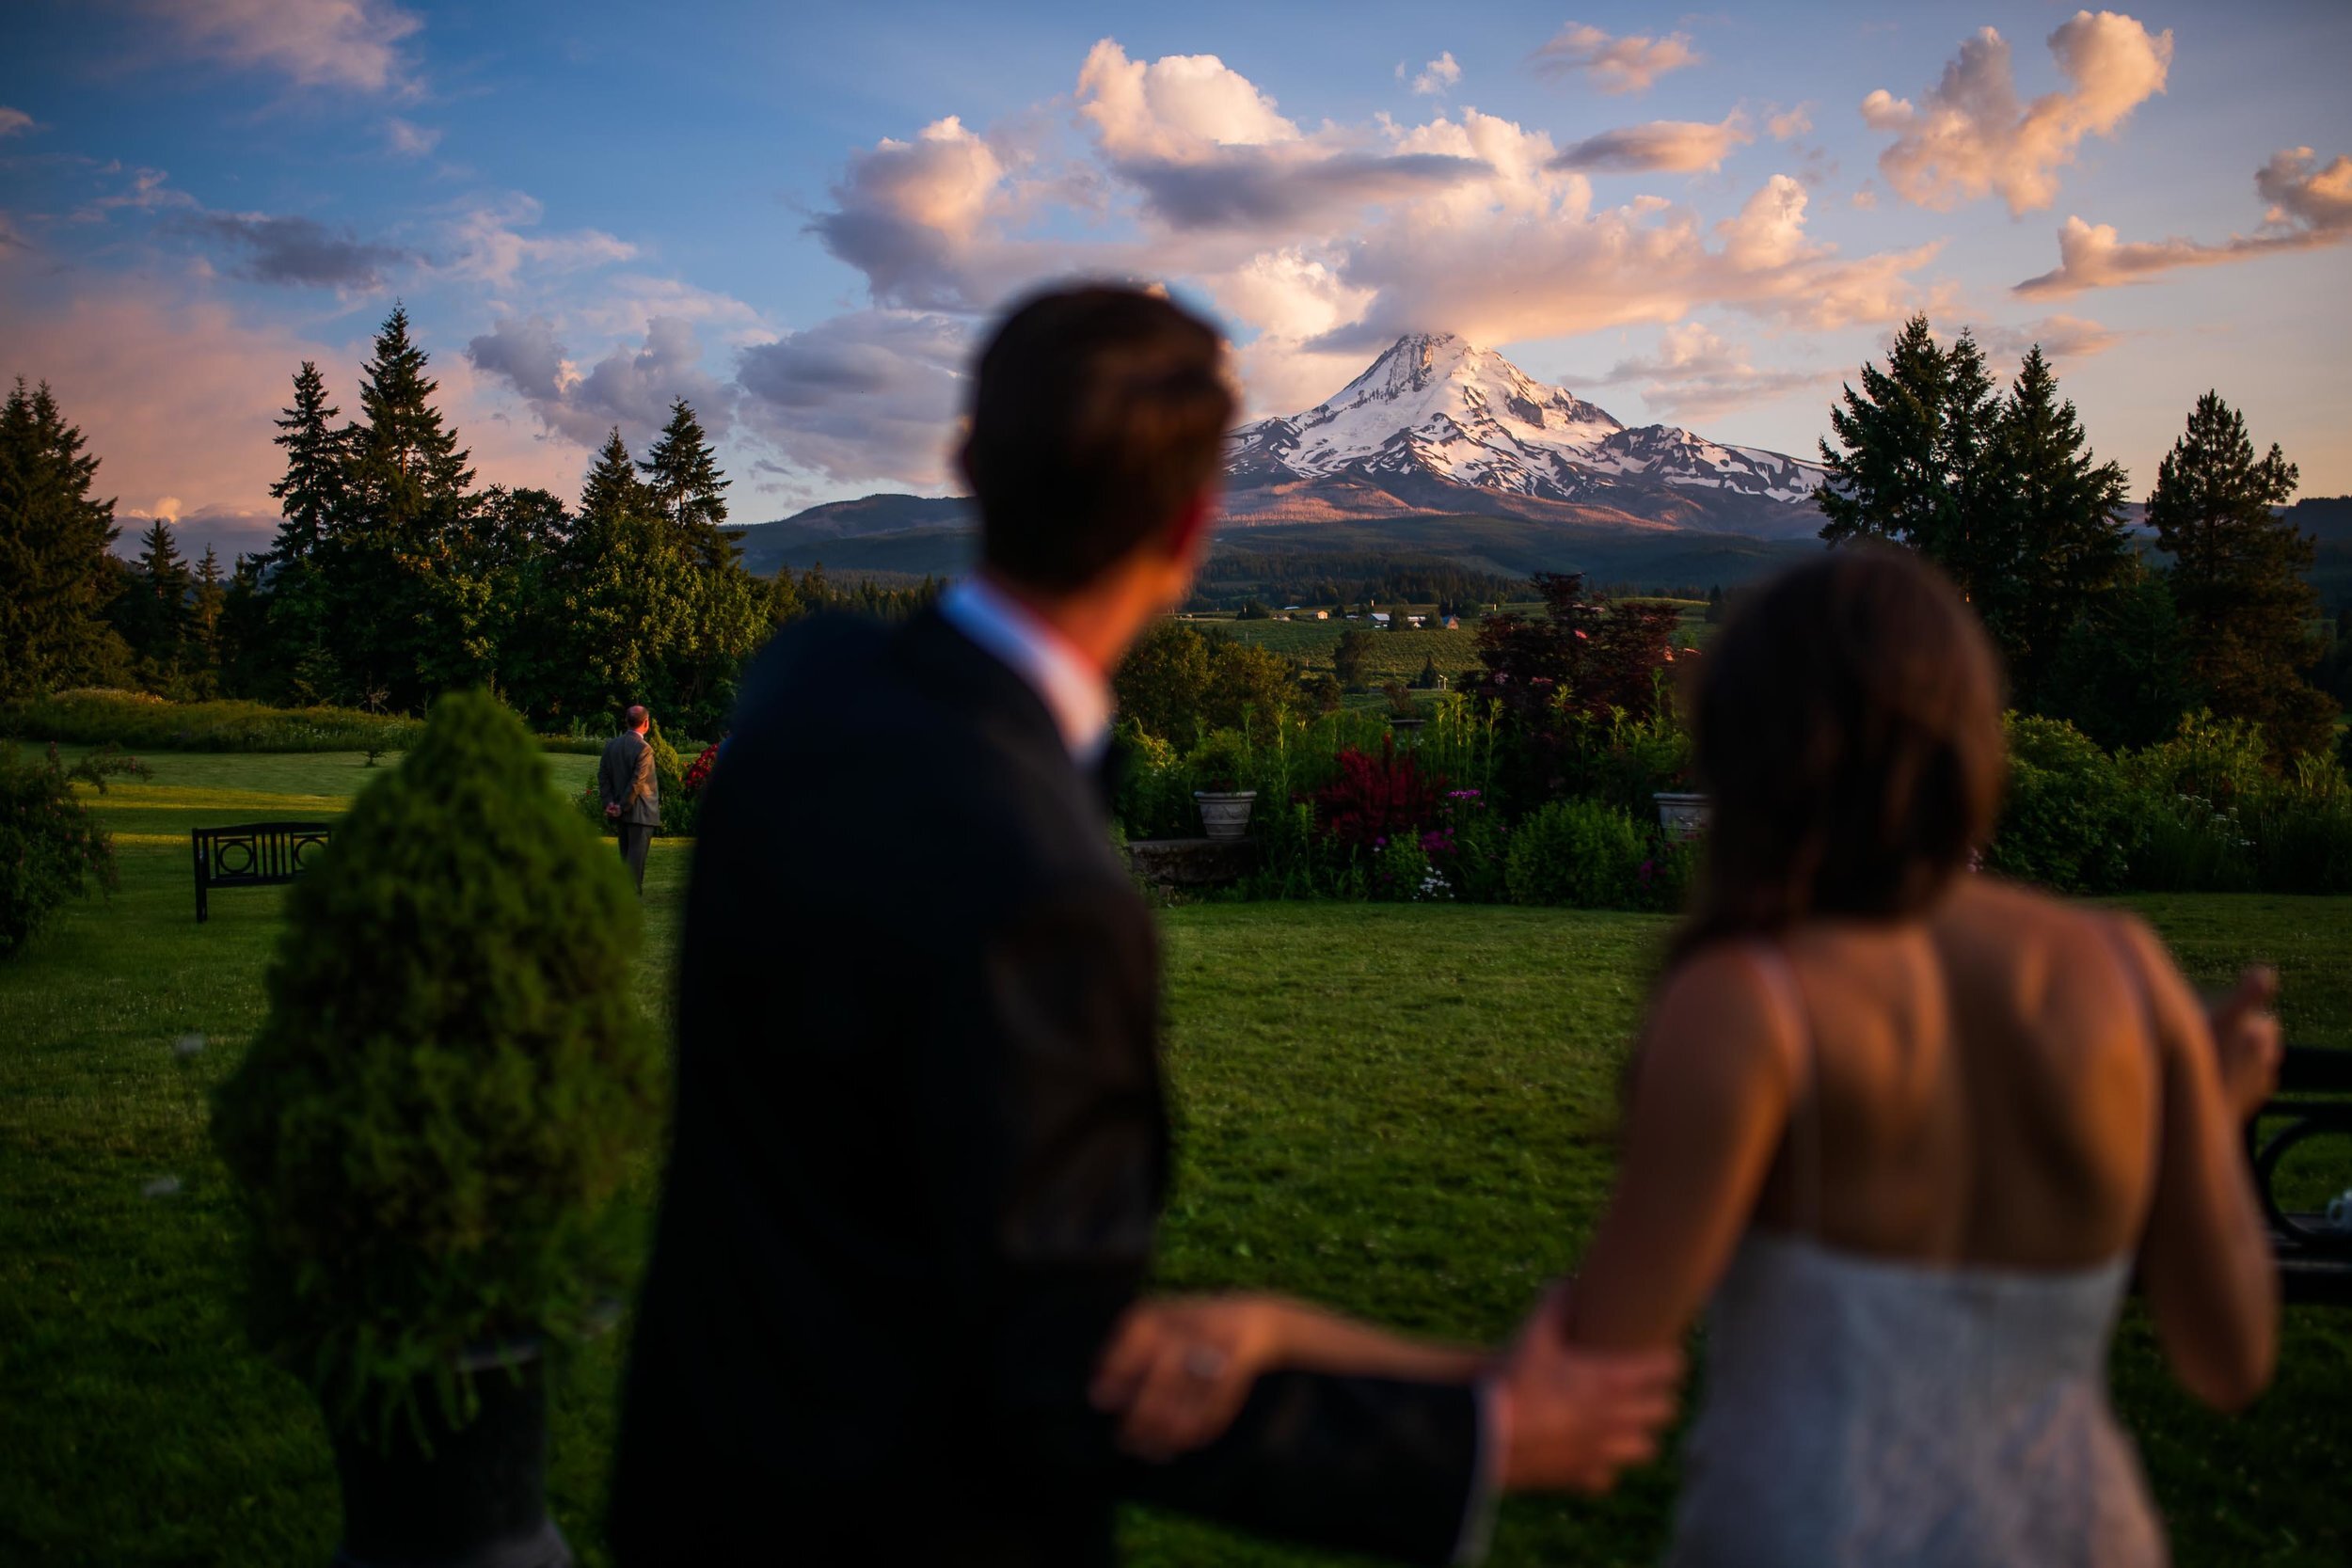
625, 778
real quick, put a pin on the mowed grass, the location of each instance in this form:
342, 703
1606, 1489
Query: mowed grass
1407, 1112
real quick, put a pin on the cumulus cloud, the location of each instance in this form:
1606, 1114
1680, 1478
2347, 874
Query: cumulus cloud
1789, 124
408, 139
631, 388
352, 44
1315, 248
488, 244
1176, 106
1614, 65
1661, 146
1697, 375
14, 121
1971, 138
873, 395
297, 251
2310, 207
1437, 75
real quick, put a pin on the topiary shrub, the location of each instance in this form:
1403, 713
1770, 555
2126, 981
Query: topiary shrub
453, 1079
1582, 853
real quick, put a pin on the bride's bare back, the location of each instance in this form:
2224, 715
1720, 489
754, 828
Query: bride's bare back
2008, 1081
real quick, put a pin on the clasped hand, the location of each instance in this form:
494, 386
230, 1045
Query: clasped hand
1177, 1369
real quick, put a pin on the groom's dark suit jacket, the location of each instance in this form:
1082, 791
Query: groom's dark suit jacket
919, 1154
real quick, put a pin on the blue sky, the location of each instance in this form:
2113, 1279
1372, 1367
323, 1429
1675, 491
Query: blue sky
800, 217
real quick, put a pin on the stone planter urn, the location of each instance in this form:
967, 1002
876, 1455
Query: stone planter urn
1225, 814
1681, 813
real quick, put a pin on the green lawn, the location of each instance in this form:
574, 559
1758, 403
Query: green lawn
1406, 1111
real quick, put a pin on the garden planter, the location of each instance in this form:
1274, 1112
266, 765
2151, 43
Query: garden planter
1683, 814
476, 1497
1225, 814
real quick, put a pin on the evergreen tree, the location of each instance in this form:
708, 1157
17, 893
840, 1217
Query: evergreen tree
403, 609
1965, 539
1885, 478
316, 454
155, 617
2060, 542
682, 474
612, 489
54, 539
2121, 673
211, 594
2238, 578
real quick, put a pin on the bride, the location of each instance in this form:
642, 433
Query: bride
1911, 1129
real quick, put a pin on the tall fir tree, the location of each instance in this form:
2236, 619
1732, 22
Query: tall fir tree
682, 473
2239, 577
612, 489
54, 539
2060, 544
207, 600
156, 616
1885, 479
403, 461
317, 453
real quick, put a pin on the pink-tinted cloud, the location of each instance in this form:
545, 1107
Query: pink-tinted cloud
1971, 138
1613, 65
1661, 146
2310, 207
1697, 375
355, 45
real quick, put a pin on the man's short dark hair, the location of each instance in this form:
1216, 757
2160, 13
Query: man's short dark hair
635, 716
1096, 414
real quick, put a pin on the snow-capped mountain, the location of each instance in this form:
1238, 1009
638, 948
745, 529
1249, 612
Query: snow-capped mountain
1439, 424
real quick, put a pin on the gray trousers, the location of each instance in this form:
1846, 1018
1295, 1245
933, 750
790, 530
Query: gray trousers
635, 838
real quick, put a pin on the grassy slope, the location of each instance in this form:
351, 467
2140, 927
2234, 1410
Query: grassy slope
1402, 1111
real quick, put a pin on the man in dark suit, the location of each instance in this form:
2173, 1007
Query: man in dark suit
920, 1145
631, 794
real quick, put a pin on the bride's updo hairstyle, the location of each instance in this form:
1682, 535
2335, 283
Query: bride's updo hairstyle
1849, 729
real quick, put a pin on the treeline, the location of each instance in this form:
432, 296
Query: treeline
393, 576
2001, 488
1231, 578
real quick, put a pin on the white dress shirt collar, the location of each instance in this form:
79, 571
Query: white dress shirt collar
1073, 692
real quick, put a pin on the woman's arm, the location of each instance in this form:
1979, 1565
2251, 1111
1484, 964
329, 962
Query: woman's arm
1177, 1368
1715, 1079
2205, 1259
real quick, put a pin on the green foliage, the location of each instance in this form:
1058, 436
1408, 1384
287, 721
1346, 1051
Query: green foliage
1349, 657
1583, 854
1221, 763
152, 724
1160, 687
1891, 472
53, 553
2121, 673
2239, 576
451, 1080
2071, 821
51, 847
687, 492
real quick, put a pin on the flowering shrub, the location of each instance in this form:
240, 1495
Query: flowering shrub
1377, 798
698, 773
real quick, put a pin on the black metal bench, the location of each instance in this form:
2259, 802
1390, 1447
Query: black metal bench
2314, 1257
252, 854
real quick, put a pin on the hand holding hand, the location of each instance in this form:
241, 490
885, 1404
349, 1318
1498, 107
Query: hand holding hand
612, 811
1573, 1419
1178, 1368
2245, 1041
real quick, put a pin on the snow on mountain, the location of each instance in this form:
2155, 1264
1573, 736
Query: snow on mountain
1432, 407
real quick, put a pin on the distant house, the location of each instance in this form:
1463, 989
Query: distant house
1323, 615
1289, 607
1415, 620
1379, 617
1454, 623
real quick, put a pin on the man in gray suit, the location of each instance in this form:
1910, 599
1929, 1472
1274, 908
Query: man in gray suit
632, 800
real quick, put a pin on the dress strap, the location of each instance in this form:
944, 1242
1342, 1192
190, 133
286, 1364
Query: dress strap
1804, 1106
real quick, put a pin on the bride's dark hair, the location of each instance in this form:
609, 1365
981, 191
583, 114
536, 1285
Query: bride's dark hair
1849, 730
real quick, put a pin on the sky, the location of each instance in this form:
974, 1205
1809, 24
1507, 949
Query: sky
803, 219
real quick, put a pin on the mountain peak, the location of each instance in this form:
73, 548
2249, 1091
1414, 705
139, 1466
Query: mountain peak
1434, 407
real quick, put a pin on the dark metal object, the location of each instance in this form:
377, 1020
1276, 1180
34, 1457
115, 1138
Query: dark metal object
2315, 1255
253, 854
467, 1496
